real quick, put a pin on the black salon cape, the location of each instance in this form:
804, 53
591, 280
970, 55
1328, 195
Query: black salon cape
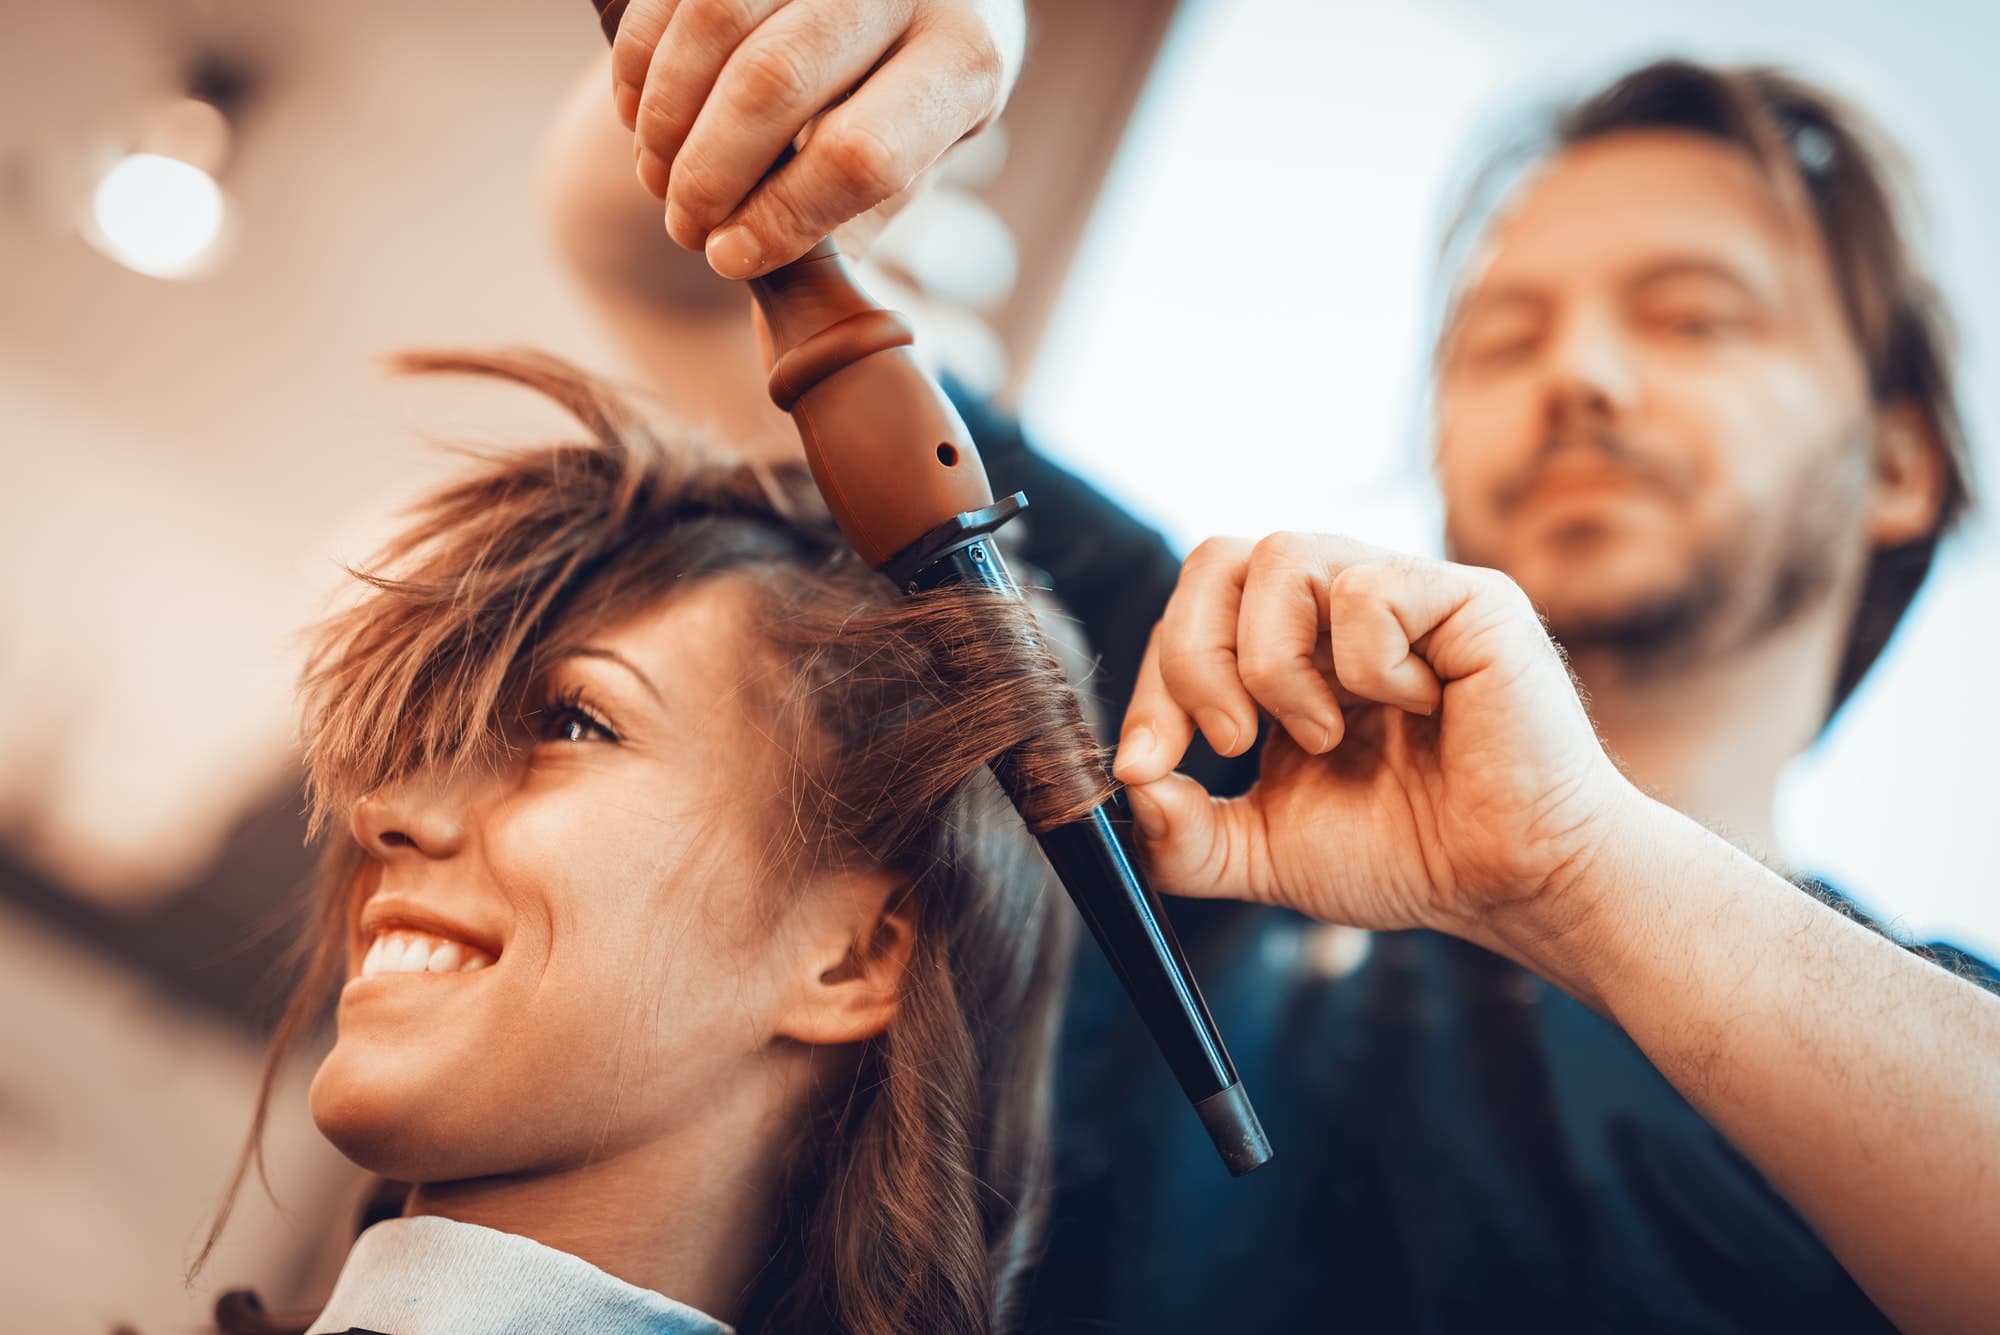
1460, 1147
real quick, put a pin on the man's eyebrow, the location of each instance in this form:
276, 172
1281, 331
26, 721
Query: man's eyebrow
613, 656
1501, 295
1694, 266
1491, 297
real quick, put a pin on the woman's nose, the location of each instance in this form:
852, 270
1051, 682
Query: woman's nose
412, 817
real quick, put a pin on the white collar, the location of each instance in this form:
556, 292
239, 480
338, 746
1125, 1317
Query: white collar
429, 1275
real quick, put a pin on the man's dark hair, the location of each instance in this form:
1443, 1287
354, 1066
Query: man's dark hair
1807, 144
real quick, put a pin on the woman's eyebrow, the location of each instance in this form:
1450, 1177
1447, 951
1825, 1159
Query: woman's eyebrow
612, 655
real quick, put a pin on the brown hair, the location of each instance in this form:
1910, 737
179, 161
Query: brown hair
914, 1195
1810, 146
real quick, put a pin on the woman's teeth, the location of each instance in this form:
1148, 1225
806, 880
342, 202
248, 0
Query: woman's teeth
404, 951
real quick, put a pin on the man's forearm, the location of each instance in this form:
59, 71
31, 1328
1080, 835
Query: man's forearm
686, 331
606, 224
1862, 1080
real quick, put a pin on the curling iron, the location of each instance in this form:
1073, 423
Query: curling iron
902, 477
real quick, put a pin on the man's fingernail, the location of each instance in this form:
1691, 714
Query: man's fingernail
1147, 812
653, 171
1219, 728
1136, 749
626, 98
1310, 733
733, 252
678, 226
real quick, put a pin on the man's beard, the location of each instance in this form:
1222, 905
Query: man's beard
1756, 577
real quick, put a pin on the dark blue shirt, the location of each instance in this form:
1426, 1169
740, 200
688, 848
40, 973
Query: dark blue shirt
1459, 1145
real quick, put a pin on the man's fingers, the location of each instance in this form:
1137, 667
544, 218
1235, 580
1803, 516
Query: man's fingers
641, 24
866, 150
798, 63
1376, 613
683, 63
1156, 731
1198, 645
1279, 628
1196, 845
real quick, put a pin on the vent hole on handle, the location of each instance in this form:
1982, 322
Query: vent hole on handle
947, 454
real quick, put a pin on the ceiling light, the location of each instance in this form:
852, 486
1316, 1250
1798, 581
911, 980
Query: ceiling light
158, 215
160, 209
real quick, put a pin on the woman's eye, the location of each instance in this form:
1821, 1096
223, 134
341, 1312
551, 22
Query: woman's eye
569, 719
573, 726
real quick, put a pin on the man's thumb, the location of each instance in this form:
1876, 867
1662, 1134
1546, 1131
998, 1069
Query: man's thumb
1188, 840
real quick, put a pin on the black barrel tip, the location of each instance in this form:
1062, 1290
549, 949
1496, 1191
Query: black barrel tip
1233, 1126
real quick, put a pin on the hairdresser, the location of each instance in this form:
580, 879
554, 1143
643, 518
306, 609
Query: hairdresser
1537, 1049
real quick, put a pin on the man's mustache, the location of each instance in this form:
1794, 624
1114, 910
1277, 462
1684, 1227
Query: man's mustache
1614, 452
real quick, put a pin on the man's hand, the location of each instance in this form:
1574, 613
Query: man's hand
716, 89
1436, 769
1432, 767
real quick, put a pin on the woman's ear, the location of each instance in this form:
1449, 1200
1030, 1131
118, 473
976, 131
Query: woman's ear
1907, 478
858, 930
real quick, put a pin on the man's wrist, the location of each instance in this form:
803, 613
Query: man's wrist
1598, 907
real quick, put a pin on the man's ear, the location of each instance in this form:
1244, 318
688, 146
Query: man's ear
1907, 477
857, 932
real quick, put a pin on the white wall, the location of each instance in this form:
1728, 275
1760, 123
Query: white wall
1292, 338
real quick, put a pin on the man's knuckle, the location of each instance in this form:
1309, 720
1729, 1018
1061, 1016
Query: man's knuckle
983, 71
865, 160
1277, 686
979, 46
781, 217
976, 61
630, 59
1353, 585
709, 23
1180, 658
1195, 671
1363, 674
639, 31
657, 124
1283, 549
1498, 584
1214, 552
776, 74
1261, 672
693, 184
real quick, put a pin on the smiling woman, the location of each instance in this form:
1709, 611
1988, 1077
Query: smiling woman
691, 967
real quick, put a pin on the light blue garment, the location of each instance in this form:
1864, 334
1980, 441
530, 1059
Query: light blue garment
433, 1276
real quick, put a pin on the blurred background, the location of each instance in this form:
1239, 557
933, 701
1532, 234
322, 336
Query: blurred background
195, 429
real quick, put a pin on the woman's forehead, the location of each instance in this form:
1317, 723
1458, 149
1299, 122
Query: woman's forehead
692, 643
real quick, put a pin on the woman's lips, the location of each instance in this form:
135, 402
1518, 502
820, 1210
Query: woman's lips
407, 951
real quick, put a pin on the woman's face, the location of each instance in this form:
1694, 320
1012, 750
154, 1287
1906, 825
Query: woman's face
583, 953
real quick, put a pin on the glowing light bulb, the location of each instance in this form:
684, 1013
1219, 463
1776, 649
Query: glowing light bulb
158, 215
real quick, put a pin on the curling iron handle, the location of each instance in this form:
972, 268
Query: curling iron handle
890, 454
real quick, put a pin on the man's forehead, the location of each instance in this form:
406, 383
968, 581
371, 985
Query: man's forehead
1615, 205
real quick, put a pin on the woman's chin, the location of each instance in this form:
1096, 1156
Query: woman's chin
394, 1123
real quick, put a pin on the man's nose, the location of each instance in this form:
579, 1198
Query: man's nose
1591, 376
418, 816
